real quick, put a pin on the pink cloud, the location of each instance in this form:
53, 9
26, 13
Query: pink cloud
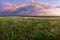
8, 6
44, 5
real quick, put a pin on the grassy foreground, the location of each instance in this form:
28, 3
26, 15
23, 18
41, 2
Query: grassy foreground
29, 29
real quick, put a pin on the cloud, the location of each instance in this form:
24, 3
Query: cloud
45, 5
54, 12
8, 6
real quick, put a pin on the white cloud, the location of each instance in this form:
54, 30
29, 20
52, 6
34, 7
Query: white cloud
54, 12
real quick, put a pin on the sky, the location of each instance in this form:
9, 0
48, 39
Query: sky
10, 4
48, 2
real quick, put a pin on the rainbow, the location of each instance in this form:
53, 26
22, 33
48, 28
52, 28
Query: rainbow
27, 4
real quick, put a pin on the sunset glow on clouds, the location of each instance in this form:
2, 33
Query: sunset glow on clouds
8, 6
54, 12
50, 7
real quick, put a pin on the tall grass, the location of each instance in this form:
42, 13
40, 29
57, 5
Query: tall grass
29, 29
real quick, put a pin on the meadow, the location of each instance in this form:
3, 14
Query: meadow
29, 28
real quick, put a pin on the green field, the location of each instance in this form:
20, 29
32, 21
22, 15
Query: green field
29, 28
